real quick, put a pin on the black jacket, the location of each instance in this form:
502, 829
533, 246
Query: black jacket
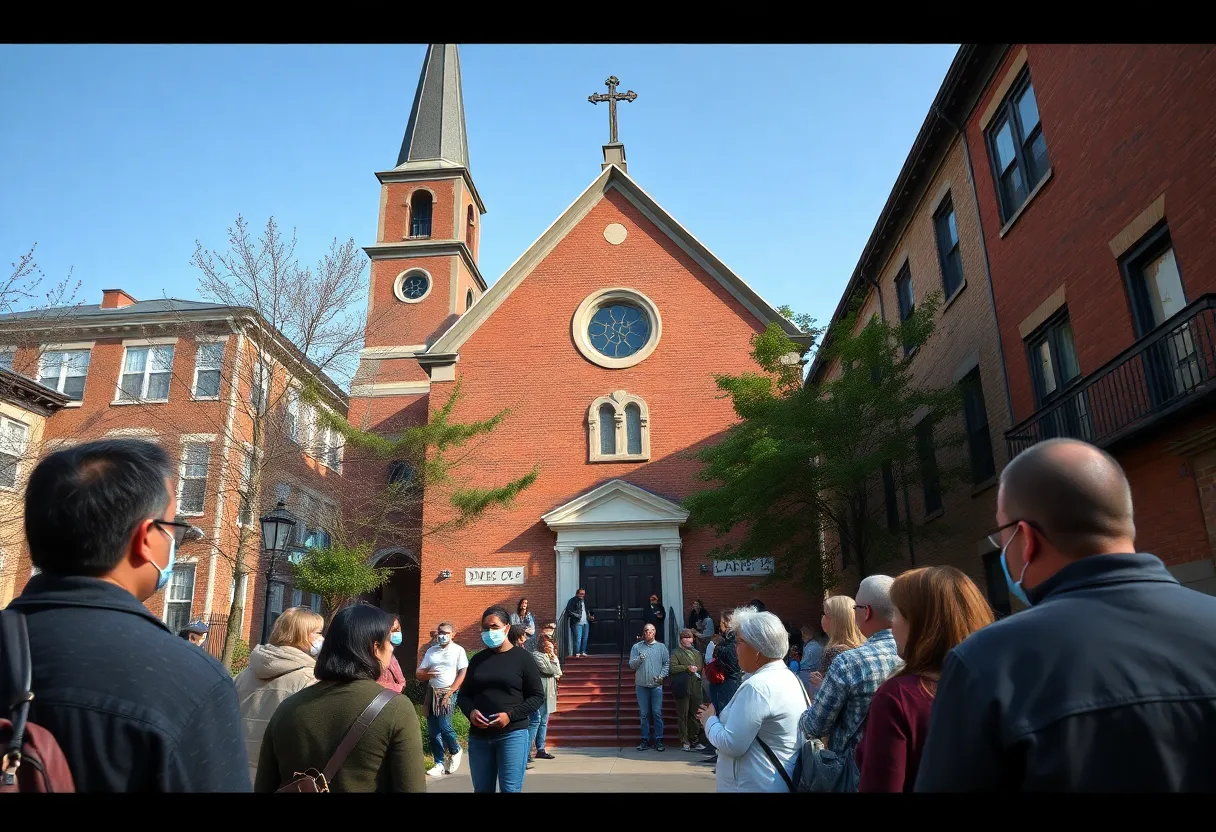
134, 707
654, 614
574, 610
726, 654
1107, 683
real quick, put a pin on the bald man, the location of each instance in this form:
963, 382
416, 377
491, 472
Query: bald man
1107, 682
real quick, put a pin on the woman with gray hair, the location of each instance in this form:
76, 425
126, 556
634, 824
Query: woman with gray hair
757, 733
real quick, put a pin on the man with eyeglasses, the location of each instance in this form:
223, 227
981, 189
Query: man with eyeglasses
1107, 681
134, 707
843, 700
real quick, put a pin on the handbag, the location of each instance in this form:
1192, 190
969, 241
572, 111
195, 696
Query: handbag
318, 781
713, 672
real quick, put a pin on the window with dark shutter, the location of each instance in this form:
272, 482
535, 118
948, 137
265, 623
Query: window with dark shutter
979, 440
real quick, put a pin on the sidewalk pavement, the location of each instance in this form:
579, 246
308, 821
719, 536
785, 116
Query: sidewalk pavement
602, 770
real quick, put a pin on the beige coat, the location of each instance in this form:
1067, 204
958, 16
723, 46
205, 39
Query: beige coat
274, 673
550, 672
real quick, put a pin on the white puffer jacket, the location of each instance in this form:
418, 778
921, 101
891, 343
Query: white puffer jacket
273, 674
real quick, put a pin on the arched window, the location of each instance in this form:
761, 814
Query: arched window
618, 429
468, 300
470, 231
607, 418
420, 213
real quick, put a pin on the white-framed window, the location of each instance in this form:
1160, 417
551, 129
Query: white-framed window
7, 354
316, 603
308, 427
306, 515
207, 363
245, 515
145, 374
291, 415
65, 371
192, 487
276, 605
331, 448
297, 597
14, 442
259, 390
180, 597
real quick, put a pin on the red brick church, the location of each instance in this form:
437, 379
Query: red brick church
602, 338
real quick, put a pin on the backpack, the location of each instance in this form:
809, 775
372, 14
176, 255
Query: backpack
33, 760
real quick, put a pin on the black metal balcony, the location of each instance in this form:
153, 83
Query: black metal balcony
420, 225
1169, 368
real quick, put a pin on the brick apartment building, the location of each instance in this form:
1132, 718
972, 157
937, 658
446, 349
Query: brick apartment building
1078, 296
195, 378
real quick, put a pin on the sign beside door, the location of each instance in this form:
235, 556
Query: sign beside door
499, 576
753, 566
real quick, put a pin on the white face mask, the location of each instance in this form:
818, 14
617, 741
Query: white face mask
316, 646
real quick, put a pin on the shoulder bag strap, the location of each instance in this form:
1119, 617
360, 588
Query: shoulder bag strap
356, 732
18, 676
776, 763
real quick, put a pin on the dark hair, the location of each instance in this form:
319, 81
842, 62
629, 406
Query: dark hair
498, 612
83, 503
758, 604
347, 653
516, 632
519, 608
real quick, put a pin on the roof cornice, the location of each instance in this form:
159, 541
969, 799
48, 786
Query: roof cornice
424, 174
30, 394
427, 248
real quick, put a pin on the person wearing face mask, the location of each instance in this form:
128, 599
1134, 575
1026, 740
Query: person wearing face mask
1107, 681
502, 688
392, 677
134, 707
276, 671
757, 734
310, 726
443, 668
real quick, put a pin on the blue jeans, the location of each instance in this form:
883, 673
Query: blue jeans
538, 728
650, 703
441, 732
502, 757
580, 633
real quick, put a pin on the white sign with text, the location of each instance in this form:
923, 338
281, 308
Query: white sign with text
493, 576
754, 566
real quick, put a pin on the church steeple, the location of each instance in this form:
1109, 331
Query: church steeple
435, 136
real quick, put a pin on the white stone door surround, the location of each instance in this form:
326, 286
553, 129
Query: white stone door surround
618, 515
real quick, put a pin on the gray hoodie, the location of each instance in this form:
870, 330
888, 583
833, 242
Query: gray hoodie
274, 673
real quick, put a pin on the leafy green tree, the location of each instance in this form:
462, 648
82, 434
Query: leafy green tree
806, 463
339, 574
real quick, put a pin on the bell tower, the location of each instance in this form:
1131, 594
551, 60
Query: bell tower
424, 273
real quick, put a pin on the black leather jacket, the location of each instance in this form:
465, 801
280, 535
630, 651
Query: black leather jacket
1106, 684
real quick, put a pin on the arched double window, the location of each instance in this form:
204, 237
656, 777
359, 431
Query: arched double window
618, 429
470, 234
421, 205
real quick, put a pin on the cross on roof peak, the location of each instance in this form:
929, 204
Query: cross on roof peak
612, 96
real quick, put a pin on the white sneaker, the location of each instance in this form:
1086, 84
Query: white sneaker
686, 747
698, 747
455, 762
436, 770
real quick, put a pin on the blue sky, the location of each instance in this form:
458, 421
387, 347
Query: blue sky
114, 159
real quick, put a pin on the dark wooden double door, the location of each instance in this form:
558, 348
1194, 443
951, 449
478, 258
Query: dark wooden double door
619, 584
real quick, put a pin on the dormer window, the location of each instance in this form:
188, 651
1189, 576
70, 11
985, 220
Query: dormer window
420, 214
618, 429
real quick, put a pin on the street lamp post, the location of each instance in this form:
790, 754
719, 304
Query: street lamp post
277, 527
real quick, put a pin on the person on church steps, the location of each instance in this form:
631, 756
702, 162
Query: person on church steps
580, 619
1107, 682
393, 677
133, 707
936, 607
523, 618
443, 668
839, 709
310, 725
277, 670
763, 712
702, 624
550, 672
501, 689
686, 668
840, 623
651, 664
653, 614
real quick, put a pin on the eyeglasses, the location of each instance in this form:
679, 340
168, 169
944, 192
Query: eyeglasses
860, 607
178, 530
995, 536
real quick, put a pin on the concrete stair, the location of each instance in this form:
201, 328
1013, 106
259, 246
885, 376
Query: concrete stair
586, 705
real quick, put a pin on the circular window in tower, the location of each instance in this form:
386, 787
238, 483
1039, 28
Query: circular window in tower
412, 285
616, 328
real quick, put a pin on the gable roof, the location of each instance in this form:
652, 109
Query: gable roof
615, 503
612, 177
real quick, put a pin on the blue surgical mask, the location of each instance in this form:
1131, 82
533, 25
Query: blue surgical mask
165, 574
493, 638
444, 638
1014, 586
395, 639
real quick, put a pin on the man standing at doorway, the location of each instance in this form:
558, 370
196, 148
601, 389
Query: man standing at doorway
444, 667
653, 614
580, 622
651, 664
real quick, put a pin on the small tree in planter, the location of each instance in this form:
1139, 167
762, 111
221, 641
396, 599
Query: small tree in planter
339, 574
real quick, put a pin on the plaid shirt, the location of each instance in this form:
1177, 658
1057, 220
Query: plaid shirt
841, 705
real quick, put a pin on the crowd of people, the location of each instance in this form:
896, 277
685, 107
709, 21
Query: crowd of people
910, 686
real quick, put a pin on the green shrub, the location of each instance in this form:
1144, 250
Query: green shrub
240, 657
